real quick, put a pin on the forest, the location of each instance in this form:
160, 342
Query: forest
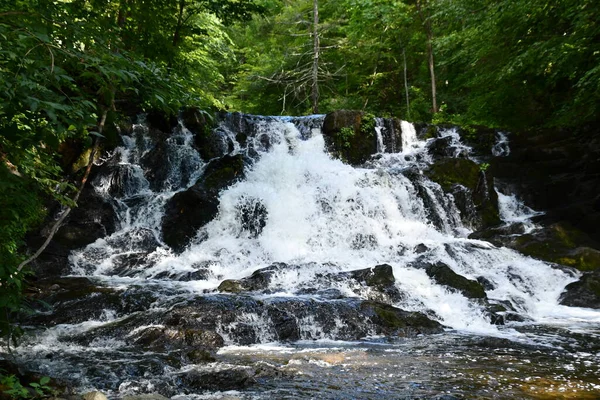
70, 70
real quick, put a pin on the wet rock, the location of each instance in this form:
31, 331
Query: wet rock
393, 321
253, 216
258, 281
165, 338
380, 276
443, 147
559, 243
454, 173
151, 396
193, 208
350, 135
421, 248
94, 396
161, 120
72, 300
245, 320
210, 379
444, 275
583, 293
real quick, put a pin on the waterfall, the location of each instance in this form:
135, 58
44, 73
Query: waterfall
305, 262
322, 216
501, 148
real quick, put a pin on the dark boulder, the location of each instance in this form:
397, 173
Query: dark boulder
167, 338
393, 321
378, 276
350, 135
444, 147
583, 293
444, 275
93, 218
189, 210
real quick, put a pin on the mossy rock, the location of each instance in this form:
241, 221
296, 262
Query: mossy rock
449, 172
583, 293
231, 286
560, 243
350, 135
444, 275
395, 321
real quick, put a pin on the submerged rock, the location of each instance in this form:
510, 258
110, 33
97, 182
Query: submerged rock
188, 211
583, 293
258, 281
213, 379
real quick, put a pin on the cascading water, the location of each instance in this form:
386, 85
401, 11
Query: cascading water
310, 221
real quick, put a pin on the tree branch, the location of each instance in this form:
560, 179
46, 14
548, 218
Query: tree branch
66, 212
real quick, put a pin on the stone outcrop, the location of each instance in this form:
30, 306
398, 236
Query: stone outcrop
350, 135
189, 210
583, 293
556, 171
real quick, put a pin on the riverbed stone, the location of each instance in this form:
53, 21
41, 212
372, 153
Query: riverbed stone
94, 396
150, 396
223, 380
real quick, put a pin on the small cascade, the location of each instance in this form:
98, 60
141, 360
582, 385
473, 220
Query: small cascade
501, 148
298, 206
379, 127
409, 137
513, 211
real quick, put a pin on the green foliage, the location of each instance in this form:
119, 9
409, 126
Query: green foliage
345, 136
367, 124
521, 63
12, 386
64, 64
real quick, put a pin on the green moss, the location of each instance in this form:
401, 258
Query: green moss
430, 133
451, 171
561, 244
230, 286
389, 317
367, 125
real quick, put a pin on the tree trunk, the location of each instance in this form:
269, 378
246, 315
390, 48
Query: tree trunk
429, 31
315, 69
177, 33
406, 86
